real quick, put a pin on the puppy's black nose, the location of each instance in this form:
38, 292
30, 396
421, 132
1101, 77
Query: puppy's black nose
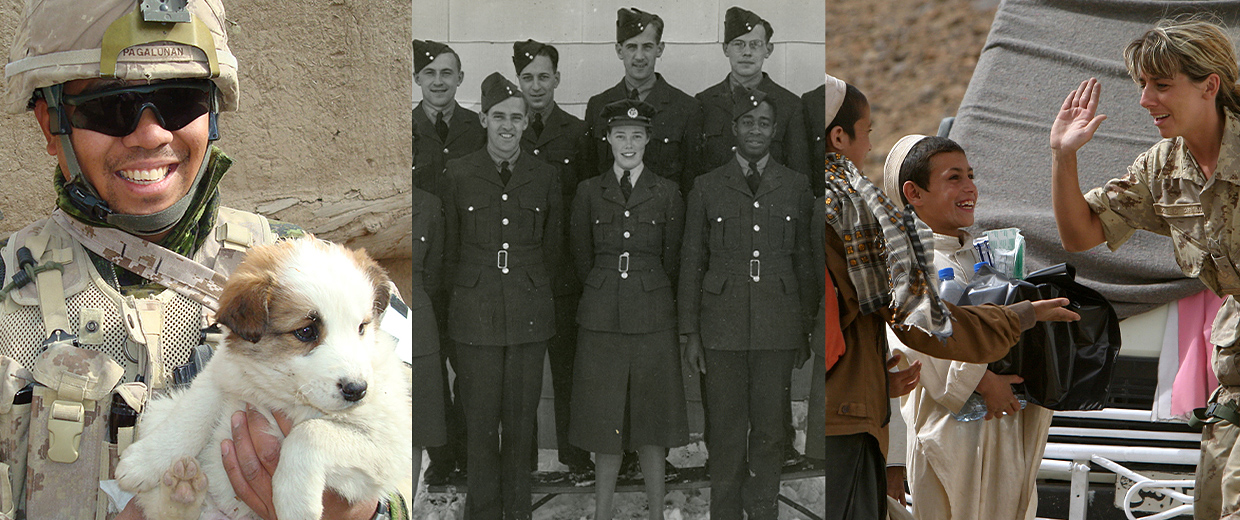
352, 391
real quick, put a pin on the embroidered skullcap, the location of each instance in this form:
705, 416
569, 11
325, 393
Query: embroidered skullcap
835, 96
628, 112
523, 53
425, 51
496, 89
895, 159
631, 21
739, 22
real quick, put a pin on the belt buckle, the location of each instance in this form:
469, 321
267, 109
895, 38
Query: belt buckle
623, 265
501, 261
755, 269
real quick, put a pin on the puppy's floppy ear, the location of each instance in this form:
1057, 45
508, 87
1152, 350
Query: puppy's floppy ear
378, 276
243, 306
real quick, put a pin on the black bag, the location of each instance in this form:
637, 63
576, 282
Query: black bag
1065, 365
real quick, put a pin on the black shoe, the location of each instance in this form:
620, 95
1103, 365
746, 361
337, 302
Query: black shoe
438, 475
791, 456
670, 472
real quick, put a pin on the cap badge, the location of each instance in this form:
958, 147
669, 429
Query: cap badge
632, 113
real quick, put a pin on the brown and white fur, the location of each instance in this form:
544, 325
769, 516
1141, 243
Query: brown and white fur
302, 319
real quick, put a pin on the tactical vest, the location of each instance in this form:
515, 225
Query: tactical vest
57, 444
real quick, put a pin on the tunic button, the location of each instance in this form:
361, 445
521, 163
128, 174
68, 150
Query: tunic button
717, 219
624, 275
445, 150
733, 148
535, 151
424, 239
755, 227
471, 208
504, 270
665, 140
504, 197
505, 222
626, 234
626, 213
788, 218
755, 204
505, 246
756, 253
565, 160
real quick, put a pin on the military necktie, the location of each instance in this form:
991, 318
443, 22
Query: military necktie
441, 127
633, 95
753, 179
504, 172
537, 126
626, 185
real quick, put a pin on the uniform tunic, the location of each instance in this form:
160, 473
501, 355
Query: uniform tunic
814, 102
503, 240
674, 132
627, 382
747, 289
1165, 192
788, 146
967, 470
428, 428
430, 153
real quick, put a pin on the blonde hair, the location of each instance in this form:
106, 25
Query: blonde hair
1193, 46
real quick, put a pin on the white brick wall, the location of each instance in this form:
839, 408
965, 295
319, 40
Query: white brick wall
483, 31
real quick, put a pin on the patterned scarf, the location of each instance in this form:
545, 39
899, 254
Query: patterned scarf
885, 250
189, 233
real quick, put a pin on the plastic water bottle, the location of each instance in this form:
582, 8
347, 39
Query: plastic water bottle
950, 289
974, 408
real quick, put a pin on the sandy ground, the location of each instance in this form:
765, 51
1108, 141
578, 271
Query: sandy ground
912, 59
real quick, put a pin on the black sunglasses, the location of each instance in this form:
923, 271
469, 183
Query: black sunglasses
116, 112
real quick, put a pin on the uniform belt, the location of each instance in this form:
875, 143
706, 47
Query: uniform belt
503, 258
625, 262
753, 268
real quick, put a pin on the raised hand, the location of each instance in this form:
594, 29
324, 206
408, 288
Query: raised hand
1078, 118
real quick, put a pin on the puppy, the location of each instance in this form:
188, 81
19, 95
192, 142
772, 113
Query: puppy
302, 318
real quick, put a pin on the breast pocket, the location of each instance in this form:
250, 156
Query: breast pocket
479, 220
533, 216
650, 226
785, 221
1186, 222
726, 228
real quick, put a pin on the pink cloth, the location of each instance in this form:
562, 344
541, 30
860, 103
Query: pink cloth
1195, 380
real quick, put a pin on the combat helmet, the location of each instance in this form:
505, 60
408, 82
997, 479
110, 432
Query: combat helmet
145, 40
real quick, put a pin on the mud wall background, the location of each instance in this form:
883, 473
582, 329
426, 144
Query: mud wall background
322, 135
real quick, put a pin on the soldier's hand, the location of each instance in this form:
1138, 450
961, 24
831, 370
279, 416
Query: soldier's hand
251, 457
692, 355
1053, 310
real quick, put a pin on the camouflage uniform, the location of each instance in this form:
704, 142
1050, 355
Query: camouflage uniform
1165, 192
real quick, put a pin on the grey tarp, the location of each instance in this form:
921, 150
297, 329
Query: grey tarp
1036, 53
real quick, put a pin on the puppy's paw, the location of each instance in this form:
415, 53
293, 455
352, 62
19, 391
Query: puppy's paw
136, 475
182, 488
184, 483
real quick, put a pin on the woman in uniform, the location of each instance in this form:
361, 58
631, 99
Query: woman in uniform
625, 236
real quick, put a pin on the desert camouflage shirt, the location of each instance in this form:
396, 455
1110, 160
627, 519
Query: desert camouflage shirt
1165, 192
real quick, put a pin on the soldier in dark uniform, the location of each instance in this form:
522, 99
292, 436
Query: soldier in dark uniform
747, 44
504, 214
438, 72
442, 129
559, 139
676, 125
816, 130
428, 385
746, 299
626, 234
